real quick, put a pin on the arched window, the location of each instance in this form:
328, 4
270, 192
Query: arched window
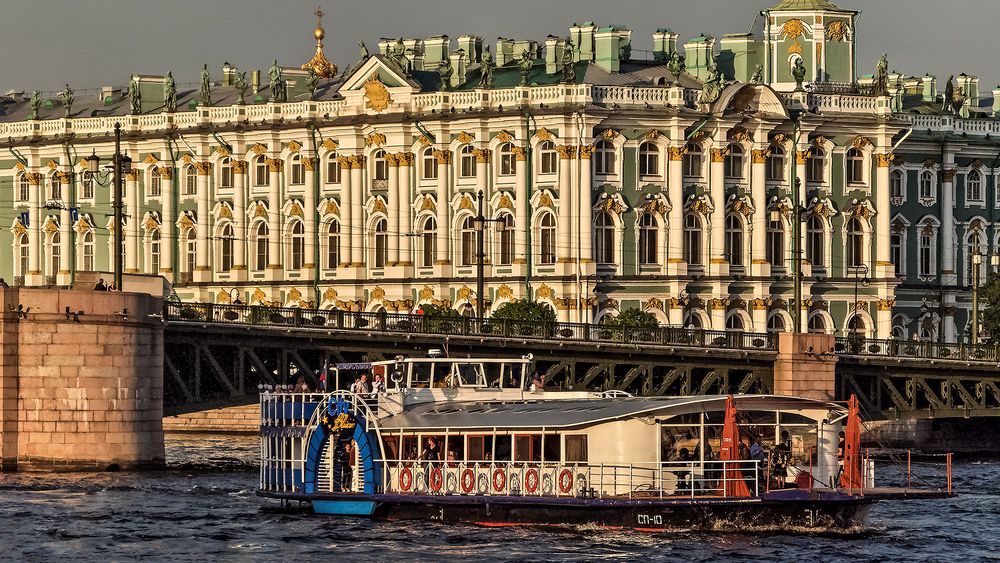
692, 239
190, 250
604, 238
380, 168
896, 184
22, 254
154, 183
817, 325
380, 244
55, 188
898, 333
154, 252
735, 322
332, 168
816, 167
333, 245
734, 240
467, 164
547, 238
855, 243
926, 185
226, 173
505, 239
87, 256
429, 167
604, 158
776, 323
190, 180
548, 158
260, 171
693, 320
975, 244
734, 162
692, 161
775, 244
297, 171
55, 254
428, 242
505, 159
296, 249
815, 241
973, 188
260, 247
23, 187
648, 239
649, 159
856, 325
855, 163
775, 171
226, 248
467, 251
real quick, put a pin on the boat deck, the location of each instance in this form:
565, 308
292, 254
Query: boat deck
899, 493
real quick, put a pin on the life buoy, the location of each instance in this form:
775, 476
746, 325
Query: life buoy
531, 480
405, 479
565, 481
499, 479
437, 479
468, 480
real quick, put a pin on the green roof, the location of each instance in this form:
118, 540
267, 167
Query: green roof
796, 5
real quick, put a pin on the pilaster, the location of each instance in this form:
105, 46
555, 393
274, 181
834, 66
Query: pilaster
239, 270
203, 269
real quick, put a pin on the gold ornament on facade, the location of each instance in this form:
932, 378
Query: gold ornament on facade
260, 211
294, 146
505, 202
203, 168
378, 294
860, 209
331, 145
822, 209
759, 304
274, 164
929, 164
609, 303
837, 30
719, 155
778, 139
819, 51
656, 206
309, 164
520, 153
463, 293
258, 296
586, 151
379, 206
319, 64
375, 139
187, 159
795, 49
225, 212
801, 157
794, 28
677, 153
330, 294
223, 297
344, 162
392, 160
258, 149
948, 175
295, 210
150, 224
566, 152
741, 136
464, 138
425, 140
442, 156
357, 161
545, 292
377, 96
51, 226
884, 160
150, 160
482, 155
741, 207
185, 222
466, 203
760, 156
67, 177
504, 137
860, 142
545, 200
819, 141
52, 165
18, 228
34, 178
544, 134
652, 135
654, 303
406, 158
611, 205
428, 204
331, 208
221, 151
426, 293
886, 304
505, 292
294, 295
240, 166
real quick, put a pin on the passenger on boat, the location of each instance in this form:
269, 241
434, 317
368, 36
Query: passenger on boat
301, 386
781, 460
432, 452
378, 386
360, 386
537, 382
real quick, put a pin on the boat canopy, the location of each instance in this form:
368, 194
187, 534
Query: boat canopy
570, 413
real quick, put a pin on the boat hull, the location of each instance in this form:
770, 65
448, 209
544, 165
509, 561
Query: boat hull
805, 511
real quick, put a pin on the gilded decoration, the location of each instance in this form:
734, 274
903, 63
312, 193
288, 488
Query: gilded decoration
428, 204
331, 145
719, 155
505, 292
652, 135
929, 163
203, 168
861, 209
425, 140
150, 160
742, 207
676, 153
258, 149
822, 209
465, 138
801, 157
223, 297
331, 208
466, 203
566, 152
544, 134
19, 228
377, 96
426, 293
611, 205
66, 177
185, 222
258, 296
392, 160
505, 202
818, 141
344, 162
586, 151
33, 178
795, 49
239, 167
309, 164
699, 205
794, 28
330, 294
545, 292
819, 51
378, 294
948, 175
778, 139
50, 226
294, 146
357, 161
464, 293
294, 295
759, 156
295, 210
860, 142
20, 167
375, 139
379, 206
225, 212
405, 158
187, 159
166, 173
610, 303
837, 30
221, 151
521, 153
654, 303
482, 155
886, 304
52, 165
545, 200
150, 224
274, 164
741, 136
884, 160
261, 211
505, 137
442, 156
319, 64
719, 303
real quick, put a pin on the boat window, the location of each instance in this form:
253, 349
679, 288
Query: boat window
476, 450
550, 447
576, 448
515, 377
680, 443
391, 444
493, 370
455, 448
684, 419
421, 375
409, 447
467, 374
527, 448
502, 448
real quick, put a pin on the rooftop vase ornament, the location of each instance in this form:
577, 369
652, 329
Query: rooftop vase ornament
676, 66
134, 98
206, 87
241, 87
169, 92
880, 85
487, 69
312, 81
525, 64
799, 74
444, 71
758, 75
67, 96
36, 103
568, 66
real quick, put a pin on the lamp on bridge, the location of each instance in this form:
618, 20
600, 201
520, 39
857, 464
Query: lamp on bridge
121, 164
479, 223
860, 278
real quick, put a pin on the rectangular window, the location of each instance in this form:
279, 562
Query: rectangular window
226, 176
895, 253
548, 164
332, 170
924, 264
576, 449
87, 188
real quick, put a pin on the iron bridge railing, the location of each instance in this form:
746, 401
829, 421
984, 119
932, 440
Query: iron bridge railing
855, 346
464, 326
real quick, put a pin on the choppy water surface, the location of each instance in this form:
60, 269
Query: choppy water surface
204, 507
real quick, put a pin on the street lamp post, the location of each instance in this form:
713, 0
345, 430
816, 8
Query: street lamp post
977, 260
121, 165
796, 114
479, 223
860, 269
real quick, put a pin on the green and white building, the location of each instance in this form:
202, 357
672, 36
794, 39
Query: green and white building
614, 181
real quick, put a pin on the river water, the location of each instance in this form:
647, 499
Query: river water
204, 507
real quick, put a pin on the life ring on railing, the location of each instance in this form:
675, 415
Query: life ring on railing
468, 480
499, 479
405, 479
436, 479
565, 481
531, 480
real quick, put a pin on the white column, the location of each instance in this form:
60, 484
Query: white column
444, 226
202, 270
274, 267
564, 244
521, 204
357, 209
948, 276
168, 242
346, 210
675, 217
34, 273
309, 163
758, 230
396, 202
718, 262
403, 209
880, 256
131, 223
585, 200
63, 277
239, 271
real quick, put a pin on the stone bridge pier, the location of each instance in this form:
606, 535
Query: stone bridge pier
81, 380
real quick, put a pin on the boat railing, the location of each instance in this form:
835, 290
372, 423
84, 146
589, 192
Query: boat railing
676, 479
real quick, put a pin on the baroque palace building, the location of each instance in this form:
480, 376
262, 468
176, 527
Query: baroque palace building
614, 178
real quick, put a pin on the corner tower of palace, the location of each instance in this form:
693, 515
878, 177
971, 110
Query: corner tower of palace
662, 182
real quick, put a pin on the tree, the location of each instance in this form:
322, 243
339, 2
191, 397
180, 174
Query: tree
989, 295
433, 311
438, 318
524, 310
631, 318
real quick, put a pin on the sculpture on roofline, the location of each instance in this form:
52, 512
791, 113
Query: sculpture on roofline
880, 85
273, 74
676, 66
568, 66
312, 81
949, 94
241, 87
206, 87
799, 73
363, 49
36, 103
525, 64
758, 75
444, 72
714, 83
67, 96
487, 69
134, 98
169, 92
399, 54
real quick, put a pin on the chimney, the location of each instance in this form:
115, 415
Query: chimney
459, 64
698, 53
609, 43
996, 101
554, 48
929, 88
109, 94
473, 47
415, 52
664, 44
505, 51
255, 81
585, 46
435, 50
228, 74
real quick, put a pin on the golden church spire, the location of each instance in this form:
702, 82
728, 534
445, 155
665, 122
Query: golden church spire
319, 65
